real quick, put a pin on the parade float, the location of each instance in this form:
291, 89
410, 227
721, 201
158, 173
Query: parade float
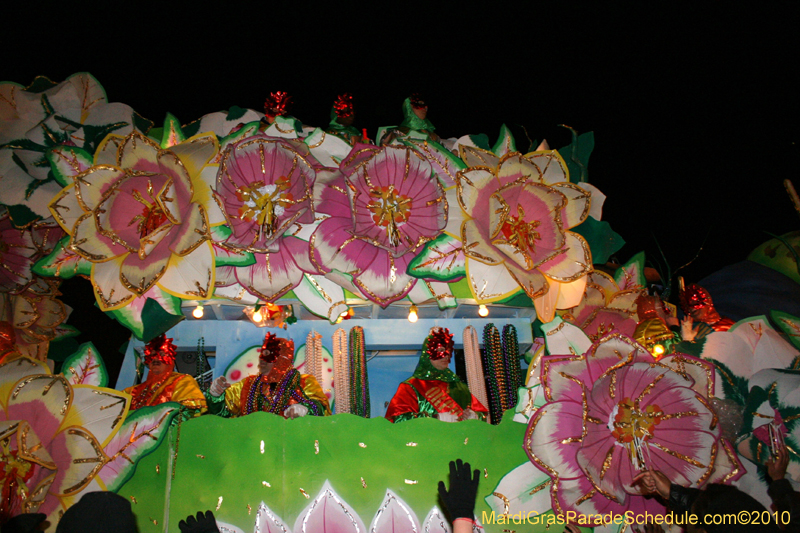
239, 223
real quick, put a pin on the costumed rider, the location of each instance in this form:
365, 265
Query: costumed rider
434, 391
277, 122
342, 117
415, 113
278, 388
697, 305
163, 384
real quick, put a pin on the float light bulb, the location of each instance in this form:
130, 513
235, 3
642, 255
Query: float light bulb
412, 314
257, 316
658, 350
483, 310
198, 311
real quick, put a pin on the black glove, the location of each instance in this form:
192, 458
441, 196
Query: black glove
460, 501
202, 524
23, 523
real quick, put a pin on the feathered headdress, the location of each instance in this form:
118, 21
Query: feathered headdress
343, 105
440, 344
160, 349
277, 104
270, 349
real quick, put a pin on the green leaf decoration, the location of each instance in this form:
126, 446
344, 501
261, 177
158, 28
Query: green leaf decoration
40, 84
631, 274
736, 388
140, 434
142, 124
518, 300
21, 215
505, 142
227, 255
172, 133
154, 316
576, 155
155, 134
35, 184
788, 324
65, 331
444, 163
780, 254
95, 134
62, 263
694, 348
481, 140
85, 367
60, 349
67, 161
157, 320
236, 112
441, 259
602, 240
191, 129
248, 130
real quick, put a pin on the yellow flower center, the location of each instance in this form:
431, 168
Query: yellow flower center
152, 215
389, 209
264, 204
520, 234
630, 421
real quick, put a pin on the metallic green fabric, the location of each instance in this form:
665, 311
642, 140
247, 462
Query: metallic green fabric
412, 121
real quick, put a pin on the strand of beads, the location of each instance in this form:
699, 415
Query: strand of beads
495, 374
341, 372
472, 356
200, 363
511, 363
313, 360
359, 381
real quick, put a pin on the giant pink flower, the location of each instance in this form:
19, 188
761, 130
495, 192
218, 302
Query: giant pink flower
52, 437
383, 207
514, 231
140, 216
613, 411
266, 185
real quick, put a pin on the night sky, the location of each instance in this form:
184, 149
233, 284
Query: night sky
694, 109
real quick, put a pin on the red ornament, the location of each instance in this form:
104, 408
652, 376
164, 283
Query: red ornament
343, 105
440, 344
277, 104
694, 297
160, 349
270, 349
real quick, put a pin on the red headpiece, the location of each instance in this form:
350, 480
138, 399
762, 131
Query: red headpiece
695, 297
417, 102
343, 106
160, 349
270, 349
277, 104
440, 344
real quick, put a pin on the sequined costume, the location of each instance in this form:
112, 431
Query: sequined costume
166, 386
696, 302
430, 391
272, 391
257, 393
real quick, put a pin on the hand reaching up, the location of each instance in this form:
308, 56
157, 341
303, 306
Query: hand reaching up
653, 481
